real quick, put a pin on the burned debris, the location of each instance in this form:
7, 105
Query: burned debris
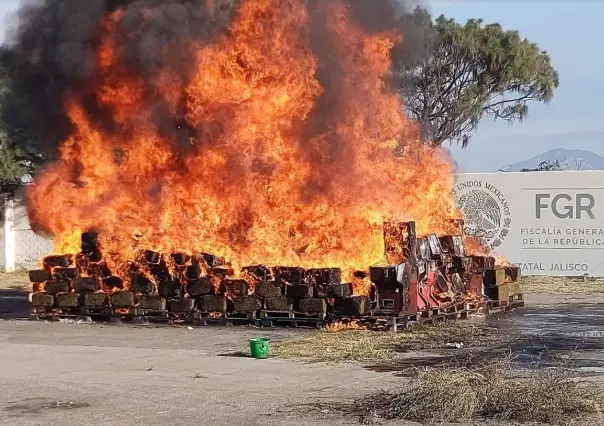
425, 277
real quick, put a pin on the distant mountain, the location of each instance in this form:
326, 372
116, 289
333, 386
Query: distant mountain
568, 159
488, 155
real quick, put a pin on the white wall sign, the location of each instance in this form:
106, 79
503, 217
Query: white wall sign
549, 223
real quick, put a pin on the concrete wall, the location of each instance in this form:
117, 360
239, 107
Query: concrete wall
21, 247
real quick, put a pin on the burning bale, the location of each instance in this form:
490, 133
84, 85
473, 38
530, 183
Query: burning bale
324, 276
86, 284
65, 274
290, 159
268, 289
289, 275
211, 261
501, 283
339, 291
399, 241
200, 287
94, 300
246, 304
299, 291
57, 261
113, 282
353, 306
234, 288
68, 300
143, 285
54, 287
279, 304
123, 299
312, 306
40, 276
257, 273
213, 303
181, 305
170, 289
152, 303
43, 300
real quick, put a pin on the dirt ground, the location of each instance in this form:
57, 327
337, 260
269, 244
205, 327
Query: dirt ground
16, 281
58, 374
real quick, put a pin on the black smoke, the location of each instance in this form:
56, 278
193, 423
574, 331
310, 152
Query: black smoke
51, 55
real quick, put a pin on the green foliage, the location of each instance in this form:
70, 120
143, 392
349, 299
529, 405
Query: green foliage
466, 72
17, 160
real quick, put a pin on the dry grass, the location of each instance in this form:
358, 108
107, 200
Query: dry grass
16, 281
461, 394
370, 346
562, 285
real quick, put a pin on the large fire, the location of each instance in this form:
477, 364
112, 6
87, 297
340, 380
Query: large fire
254, 171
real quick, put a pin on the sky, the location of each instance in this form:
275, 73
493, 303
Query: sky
571, 32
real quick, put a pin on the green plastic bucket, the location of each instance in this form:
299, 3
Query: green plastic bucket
259, 347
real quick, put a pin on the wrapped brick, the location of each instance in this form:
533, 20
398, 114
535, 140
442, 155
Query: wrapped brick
181, 305
43, 300
280, 303
257, 273
65, 274
299, 291
89, 242
141, 284
170, 289
221, 272
200, 287
383, 274
321, 291
213, 303
501, 275
234, 288
39, 276
180, 259
151, 257
193, 272
152, 303
113, 282
289, 274
54, 287
353, 306
212, 261
269, 289
399, 241
94, 300
312, 306
324, 276
246, 304
123, 299
57, 261
100, 270
67, 300
339, 291
86, 284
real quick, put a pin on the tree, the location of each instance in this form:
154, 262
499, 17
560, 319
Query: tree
463, 73
17, 161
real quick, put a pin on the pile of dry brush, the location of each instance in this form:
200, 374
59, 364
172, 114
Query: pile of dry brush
550, 396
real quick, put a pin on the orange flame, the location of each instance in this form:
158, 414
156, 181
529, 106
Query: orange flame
252, 186
344, 326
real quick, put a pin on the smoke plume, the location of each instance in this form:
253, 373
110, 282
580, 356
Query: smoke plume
52, 55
